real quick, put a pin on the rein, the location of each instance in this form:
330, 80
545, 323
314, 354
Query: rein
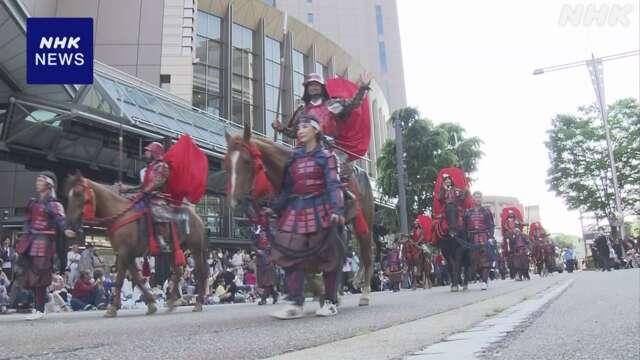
89, 207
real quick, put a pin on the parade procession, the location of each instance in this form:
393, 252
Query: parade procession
327, 179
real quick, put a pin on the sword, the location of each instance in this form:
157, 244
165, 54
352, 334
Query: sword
284, 46
120, 154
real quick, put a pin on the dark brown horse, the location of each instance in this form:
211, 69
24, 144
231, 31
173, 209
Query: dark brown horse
126, 240
241, 168
419, 265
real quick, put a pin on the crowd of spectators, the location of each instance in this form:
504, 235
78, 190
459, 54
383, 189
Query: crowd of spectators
87, 284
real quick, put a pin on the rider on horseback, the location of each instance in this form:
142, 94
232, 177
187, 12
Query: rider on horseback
330, 112
154, 182
452, 199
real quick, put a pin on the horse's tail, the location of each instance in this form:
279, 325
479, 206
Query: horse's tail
365, 197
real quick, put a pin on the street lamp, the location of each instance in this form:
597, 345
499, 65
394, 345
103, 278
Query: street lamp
597, 78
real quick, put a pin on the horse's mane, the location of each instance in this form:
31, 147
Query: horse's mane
107, 190
279, 149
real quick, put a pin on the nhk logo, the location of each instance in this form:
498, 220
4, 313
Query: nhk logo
59, 50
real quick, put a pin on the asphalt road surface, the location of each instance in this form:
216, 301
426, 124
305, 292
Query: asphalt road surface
597, 317
246, 331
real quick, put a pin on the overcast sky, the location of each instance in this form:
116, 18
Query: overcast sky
471, 62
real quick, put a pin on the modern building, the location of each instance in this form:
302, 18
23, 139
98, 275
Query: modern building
162, 68
367, 29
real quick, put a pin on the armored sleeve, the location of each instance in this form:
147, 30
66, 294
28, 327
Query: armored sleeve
349, 105
290, 130
56, 214
334, 188
280, 201
491, 226
27, 216
159, 177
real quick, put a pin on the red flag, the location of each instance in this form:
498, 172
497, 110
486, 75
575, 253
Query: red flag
459, 180
189, 170
505, 214
425, 222
535, 226
354, 133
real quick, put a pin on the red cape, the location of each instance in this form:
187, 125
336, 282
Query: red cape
459, 180
189, 170
533, 227
354, 134
425, 222
505, 214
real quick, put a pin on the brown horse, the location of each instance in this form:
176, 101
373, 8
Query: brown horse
126, 241
419, 265
241, 167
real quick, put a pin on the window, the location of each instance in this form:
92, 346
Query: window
272, 50
379, 26
383, 56
210, 210
322, 70
270, 2
208, 72
310, 18
242, 82
299, 61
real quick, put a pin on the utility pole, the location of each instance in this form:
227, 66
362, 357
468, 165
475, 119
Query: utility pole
597, 79
402, 196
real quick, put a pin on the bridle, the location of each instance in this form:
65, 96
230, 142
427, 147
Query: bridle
88, 212
260, 187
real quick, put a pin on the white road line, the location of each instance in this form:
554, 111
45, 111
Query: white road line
465, 345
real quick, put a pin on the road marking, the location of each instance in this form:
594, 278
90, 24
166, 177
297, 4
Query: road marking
396, 341
465, 345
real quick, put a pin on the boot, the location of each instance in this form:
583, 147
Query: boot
288, 312
328, 309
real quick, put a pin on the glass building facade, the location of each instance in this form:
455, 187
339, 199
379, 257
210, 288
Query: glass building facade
208, 72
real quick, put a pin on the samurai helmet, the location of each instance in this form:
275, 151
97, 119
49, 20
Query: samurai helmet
314, 77
156, 149
317, 78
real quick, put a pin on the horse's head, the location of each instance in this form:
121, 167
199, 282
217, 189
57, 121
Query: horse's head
75, 189
239, 164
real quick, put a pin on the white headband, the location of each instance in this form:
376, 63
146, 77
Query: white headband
49, 182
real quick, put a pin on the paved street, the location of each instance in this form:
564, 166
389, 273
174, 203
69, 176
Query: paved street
598, 317
395, 325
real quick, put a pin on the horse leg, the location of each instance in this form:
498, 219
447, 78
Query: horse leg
173, 296
454, 270
465, 267
366, 256
149, 300
121, 265
201, 277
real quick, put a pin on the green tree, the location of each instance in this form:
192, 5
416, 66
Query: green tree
580, 172
427, 149
564, 240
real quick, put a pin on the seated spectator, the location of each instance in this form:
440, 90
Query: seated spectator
4, 295
229, 295
58, 296
86, 294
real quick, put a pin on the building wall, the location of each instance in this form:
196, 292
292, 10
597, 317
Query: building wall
150, 38
265, 21
353, 25
128, 34
178, 31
